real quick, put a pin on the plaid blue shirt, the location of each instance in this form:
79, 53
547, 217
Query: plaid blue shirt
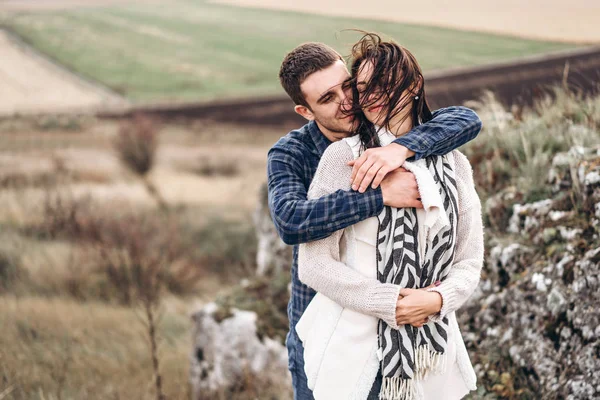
293, 161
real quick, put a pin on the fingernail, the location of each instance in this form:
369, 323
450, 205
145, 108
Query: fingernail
437, 283
354, 187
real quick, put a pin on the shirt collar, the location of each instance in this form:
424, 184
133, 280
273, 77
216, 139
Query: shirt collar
321, 142
385, 136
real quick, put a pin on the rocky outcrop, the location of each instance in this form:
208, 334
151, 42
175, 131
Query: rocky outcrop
239, 351
273, 256
533, 326
228, 353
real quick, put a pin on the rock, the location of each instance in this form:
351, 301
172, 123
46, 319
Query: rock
535, 313
227, 352
569, 234
507, 262
591, 178
556, 302
540, 282
526, 217
273, 255
558, 215
498, 207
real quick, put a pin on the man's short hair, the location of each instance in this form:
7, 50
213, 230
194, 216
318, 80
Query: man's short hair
301, 62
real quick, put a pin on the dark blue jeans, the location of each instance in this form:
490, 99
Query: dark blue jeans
299, 380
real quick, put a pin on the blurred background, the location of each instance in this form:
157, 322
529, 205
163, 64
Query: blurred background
137, 256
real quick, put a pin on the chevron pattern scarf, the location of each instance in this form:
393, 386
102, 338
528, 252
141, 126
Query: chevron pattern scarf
410, 354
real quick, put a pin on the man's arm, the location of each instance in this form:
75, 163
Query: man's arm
449, 129
320, 264
299, 220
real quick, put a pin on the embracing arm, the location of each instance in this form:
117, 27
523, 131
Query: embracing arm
465, 272
298, 219
319, 262
450, 128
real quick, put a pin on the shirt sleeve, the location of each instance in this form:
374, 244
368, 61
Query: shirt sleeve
464, 275
449, 129
319, 262
300, 220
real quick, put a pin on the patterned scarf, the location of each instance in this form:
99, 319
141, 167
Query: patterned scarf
409, 353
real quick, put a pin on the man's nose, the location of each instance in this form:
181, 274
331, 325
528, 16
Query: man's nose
346, 101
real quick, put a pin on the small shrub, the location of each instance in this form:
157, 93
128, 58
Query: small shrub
267, 297
516, 148
136, 144
227, 248
214, 168
11, 271
64, 216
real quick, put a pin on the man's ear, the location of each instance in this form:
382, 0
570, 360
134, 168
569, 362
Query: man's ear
305, 112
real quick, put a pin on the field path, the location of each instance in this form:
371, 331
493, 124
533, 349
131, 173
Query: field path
555, 20
30, 83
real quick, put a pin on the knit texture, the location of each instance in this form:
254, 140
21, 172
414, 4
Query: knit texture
321, 268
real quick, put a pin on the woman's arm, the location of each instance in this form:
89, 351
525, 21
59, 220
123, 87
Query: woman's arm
465, 272
298, 219
319, 262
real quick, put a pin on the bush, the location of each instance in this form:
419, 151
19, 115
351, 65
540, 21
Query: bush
11, 271
226, 248
130, 255
516, 147
136, 144
214, 168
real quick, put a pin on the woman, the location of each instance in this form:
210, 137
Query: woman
379, 327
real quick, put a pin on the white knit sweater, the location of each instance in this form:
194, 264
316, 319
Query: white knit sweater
321, 263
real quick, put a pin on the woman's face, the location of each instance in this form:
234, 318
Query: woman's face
375, 105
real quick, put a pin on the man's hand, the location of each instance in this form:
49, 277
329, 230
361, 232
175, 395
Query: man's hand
399, 189
374, 164
414, 306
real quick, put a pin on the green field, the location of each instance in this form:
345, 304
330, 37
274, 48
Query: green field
191, 50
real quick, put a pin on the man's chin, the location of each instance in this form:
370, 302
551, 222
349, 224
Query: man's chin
346, 128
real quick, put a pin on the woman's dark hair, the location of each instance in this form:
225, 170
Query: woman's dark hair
395, 70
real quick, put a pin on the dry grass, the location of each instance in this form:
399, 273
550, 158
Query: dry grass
194, 166
54, 348
516, 147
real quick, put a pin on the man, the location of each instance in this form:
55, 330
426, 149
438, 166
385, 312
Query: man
313, 75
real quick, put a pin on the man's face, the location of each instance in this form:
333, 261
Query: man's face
327, 98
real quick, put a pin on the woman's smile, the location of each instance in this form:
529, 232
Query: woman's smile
375, 109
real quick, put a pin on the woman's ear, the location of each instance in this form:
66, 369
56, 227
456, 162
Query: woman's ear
416, 87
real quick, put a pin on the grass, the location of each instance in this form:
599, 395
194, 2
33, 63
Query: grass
190, 50
56, 348
517, 148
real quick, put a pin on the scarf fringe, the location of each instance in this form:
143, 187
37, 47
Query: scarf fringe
396, 388
426, 362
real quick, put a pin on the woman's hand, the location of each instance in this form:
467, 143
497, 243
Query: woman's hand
414, 306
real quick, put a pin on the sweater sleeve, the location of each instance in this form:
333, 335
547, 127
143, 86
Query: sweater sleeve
319, 262
298, 219
463, 278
